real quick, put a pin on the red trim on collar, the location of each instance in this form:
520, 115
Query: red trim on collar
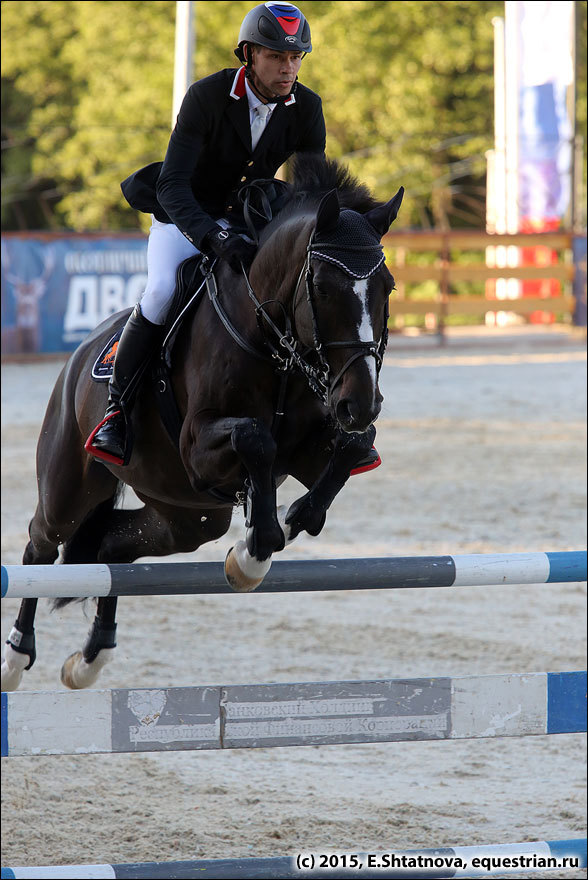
238, 88
239, 91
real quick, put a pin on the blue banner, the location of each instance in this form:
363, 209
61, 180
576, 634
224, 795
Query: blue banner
56, 289
546, 72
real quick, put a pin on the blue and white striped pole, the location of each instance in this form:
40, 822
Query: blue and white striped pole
293, 576
479, 861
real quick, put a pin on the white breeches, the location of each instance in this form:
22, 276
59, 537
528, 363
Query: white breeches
166, 249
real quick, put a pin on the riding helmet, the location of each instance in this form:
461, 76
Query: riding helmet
279, 26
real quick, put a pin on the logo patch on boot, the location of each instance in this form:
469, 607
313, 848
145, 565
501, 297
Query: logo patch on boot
102, 369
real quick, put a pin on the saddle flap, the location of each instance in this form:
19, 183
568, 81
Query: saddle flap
187, 295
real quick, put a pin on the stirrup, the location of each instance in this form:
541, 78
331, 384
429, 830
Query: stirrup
101, 453
368, 463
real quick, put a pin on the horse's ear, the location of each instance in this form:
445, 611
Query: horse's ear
382, 218
328, 212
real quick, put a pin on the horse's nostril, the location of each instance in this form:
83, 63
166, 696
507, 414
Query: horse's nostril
347, 412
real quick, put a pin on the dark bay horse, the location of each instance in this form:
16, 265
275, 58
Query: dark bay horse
273, 376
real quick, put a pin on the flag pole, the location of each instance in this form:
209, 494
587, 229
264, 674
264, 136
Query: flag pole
184, 53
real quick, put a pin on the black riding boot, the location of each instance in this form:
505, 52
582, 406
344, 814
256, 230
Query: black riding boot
110, 441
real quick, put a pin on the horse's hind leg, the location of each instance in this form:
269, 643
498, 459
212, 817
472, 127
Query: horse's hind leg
47, 530
156, 529
81, 669
19, 651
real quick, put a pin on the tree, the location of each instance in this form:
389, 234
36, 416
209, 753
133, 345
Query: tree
407, 90
98, 96
38, 98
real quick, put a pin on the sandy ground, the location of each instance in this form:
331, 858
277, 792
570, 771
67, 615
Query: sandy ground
483, 443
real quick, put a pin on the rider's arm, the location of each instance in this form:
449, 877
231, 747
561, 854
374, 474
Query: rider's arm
313, 136
174, 189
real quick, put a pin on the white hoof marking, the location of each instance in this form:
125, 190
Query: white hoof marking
76, 673
13, 667
242, 571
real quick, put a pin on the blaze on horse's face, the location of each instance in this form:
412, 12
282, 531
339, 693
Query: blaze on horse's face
352, 310
350, 287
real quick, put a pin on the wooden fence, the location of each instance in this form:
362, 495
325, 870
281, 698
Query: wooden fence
448, 269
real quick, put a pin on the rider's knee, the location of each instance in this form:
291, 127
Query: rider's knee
157, 297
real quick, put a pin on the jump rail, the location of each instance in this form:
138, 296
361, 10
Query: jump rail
295, 714
444, 862
207, 578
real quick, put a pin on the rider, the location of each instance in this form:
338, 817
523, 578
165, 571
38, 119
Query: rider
233, 127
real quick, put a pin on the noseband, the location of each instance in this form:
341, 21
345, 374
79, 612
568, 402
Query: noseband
287, 353
363, 349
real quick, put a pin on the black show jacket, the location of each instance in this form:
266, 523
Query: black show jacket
209, 156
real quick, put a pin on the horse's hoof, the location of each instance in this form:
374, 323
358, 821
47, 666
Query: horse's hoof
77, 673
13, 666
243, 573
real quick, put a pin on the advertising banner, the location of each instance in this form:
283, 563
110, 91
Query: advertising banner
546, 72
56, 289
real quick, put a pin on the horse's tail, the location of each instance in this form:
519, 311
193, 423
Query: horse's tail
84, 544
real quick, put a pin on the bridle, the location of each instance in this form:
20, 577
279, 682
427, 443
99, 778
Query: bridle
374, 349
287, 353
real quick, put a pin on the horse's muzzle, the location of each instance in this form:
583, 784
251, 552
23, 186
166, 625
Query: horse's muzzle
354, 416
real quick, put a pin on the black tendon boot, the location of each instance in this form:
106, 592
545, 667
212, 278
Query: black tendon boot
111, 439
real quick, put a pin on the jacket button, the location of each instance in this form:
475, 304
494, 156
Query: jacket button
229, 207
250, 163
243, 179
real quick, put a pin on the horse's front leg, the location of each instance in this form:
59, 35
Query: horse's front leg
251, 441
309, 512
249, 561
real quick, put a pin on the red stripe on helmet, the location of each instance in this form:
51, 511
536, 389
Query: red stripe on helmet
290, 25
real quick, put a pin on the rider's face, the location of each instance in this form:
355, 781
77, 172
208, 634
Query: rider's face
274, 73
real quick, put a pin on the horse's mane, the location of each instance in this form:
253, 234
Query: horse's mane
315, 175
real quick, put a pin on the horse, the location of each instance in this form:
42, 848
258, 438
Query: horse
275, 374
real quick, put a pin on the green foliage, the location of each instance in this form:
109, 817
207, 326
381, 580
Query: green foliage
408, 92
39, 93
407, 89
96, 79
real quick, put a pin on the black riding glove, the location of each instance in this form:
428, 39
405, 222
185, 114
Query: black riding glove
231, 247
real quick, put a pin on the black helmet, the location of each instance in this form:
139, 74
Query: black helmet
279, 26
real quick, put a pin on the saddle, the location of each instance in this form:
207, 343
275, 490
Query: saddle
189, 291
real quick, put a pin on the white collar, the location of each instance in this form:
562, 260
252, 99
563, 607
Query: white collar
254, 101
